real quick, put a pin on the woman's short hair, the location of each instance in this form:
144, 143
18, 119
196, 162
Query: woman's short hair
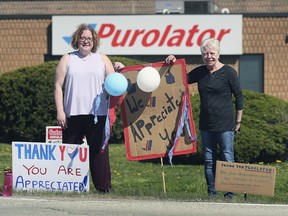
77, 34
212, 42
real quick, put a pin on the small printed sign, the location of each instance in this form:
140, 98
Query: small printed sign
53, 134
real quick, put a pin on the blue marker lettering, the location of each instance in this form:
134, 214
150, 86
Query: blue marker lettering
19, 146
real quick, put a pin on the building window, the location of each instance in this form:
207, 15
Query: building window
251, 72
196, 7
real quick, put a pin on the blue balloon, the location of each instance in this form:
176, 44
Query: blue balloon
116, 84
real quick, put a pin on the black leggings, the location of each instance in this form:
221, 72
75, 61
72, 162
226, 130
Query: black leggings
83, 125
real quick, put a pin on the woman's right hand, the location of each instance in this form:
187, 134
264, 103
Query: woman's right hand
118, 66
61, 120
170, 59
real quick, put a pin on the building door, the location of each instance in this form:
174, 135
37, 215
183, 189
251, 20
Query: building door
251, 72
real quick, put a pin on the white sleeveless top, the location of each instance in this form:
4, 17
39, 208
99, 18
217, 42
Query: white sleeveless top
83, 82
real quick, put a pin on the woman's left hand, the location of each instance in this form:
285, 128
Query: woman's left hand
170, 59
237, 127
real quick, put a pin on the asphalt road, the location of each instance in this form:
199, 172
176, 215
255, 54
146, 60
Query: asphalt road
56, 206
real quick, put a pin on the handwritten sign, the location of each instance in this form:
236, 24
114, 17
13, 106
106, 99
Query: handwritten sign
245, 178
50, 167
151, 119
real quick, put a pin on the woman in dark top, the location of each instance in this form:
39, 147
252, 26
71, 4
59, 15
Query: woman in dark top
218, 121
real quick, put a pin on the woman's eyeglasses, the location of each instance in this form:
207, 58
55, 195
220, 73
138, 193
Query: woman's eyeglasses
86, 38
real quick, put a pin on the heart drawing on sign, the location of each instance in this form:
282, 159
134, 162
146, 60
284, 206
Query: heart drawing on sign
72, 152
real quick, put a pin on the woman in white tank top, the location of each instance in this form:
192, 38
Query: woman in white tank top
79, 80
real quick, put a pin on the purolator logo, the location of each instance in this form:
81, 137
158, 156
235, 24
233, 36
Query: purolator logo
170, 36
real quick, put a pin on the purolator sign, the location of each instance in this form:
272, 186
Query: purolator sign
153, 34
154, 37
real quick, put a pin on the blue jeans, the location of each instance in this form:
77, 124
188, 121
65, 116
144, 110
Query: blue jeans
210, 140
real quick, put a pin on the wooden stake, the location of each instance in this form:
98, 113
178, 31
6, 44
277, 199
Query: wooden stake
163, 176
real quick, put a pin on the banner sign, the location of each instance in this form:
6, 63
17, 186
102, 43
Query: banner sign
245, 178
152, 119
50, 167
152, 34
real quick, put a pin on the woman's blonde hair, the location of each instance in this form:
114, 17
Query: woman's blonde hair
77, 34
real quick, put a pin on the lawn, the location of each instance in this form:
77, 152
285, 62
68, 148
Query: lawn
148, 179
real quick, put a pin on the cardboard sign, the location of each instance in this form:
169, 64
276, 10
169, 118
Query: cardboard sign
245, 178
151, 119
50, 167
53, 134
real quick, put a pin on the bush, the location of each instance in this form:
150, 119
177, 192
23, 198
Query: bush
27, 107
27, 103
264, 130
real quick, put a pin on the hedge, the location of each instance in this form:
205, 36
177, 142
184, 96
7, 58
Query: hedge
27, 107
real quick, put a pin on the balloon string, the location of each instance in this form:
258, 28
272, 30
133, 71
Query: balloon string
96, 107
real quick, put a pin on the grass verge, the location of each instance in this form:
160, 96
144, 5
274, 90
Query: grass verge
144, 179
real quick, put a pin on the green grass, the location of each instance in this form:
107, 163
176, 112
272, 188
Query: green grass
144, 179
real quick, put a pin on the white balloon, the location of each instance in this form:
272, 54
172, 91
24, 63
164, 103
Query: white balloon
148, 79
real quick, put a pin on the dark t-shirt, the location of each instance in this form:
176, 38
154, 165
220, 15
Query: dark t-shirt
216, 90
